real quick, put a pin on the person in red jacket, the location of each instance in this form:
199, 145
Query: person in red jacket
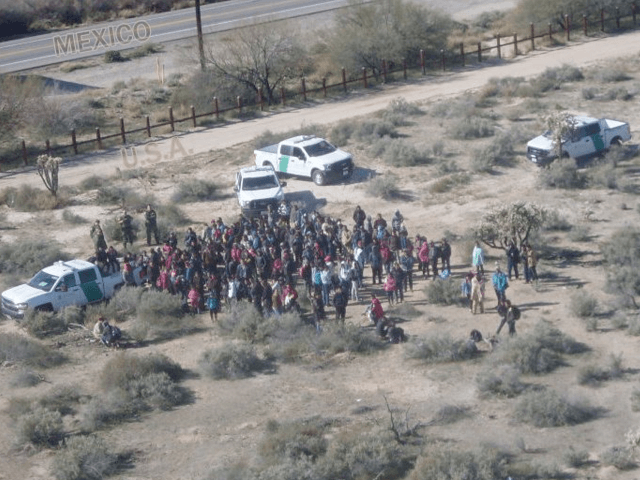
377, 312
390, 287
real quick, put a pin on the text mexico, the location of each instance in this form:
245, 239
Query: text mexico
106, 37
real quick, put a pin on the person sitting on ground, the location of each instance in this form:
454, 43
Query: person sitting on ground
111, 335
98, 328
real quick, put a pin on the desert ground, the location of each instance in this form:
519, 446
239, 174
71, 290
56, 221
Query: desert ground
225, 422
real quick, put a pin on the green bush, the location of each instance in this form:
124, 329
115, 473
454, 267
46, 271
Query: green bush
18, 349
620, 457
84, 458
439, 348
562, 173
29, 199
546, 408
341, 132
443, 292
41, 427
43, 324
399, 110
231, 361
294, 439
576, 458
112, 56
399, 153
583, 304
195, 190
384, 186
472, 127
27, 256
502, 381
371, 130
442, 463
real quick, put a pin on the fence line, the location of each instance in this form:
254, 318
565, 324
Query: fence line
388, 68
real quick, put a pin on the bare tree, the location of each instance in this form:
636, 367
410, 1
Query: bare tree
561, 125
503, 223
259, 56
48, 170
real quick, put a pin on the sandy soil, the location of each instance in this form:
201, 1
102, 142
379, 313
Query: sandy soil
226, 420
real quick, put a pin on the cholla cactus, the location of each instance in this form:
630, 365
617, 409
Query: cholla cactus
562, 125
48, 170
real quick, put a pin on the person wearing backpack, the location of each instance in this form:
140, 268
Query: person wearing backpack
510, 314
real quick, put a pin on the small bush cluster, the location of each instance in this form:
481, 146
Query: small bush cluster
562, 173
576, 458
443, 292
472, 127
620, 457
371, 130
384, 186
195, 190
27, 256
441, 463
73, 218
18, 349
43, 324
399, 110
109, 194
399, 153
29, 199
26, 378
499, 151
231, 361
85, 457
449, 182
439, 349
40, 427
546, 408
501, 381
595, 374
609, 75
555, 222
583, 304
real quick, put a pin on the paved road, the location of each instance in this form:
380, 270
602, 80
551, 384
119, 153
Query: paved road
95, 39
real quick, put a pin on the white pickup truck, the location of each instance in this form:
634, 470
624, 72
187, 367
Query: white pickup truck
60, 285
590, 136
257, 188
307, 156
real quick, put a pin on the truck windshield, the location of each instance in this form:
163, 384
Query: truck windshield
319, 149
43, 281
259, 183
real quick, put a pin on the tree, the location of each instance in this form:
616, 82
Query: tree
368, 32
561, 125
503, 223
258, 56
622, 258
48, 170
554, 11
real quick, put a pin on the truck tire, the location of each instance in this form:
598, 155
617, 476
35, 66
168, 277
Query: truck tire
267, 164
47, 307
616, 142
318, 177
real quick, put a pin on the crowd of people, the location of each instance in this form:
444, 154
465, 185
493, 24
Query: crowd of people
267, 259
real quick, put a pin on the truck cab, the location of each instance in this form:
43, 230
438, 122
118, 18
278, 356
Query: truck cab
257, 188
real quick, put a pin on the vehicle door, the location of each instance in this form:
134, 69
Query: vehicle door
67, 292
587, 140
284, 157
298, 162
91, 285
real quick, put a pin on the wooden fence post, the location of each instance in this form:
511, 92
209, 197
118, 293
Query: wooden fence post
344, 80
633, 13
585, 25
550, 32
47, 144
462, 53
498, 45
442, 60
324, 87
533, 37
193, 116
99, 138
479, 52
422, 64
404, 68
515, 44
171, 119
567, 25
217, 110
74, 143
148, 126
602, 19
122, 130
384, 71
304, 90
24, 152
260, 99
239, 105
618, 18
364, 77
282, 96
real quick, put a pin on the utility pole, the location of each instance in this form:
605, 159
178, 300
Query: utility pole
200, 40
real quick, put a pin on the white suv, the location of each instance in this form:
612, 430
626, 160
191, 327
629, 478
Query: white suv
257, 188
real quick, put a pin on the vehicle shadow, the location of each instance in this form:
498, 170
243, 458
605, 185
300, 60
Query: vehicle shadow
305, 199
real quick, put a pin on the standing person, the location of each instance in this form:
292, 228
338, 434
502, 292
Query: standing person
354, 279
513, 259
500, 285
97, 235
532, 260
340, 303
509, 314
423, 257
435, 253
525, 263
390, 287
465, 289
375, 260
359, 216
445, 253
406, 263
477, 258
151, 224
213, 304
377, 312
477, 293
127, 228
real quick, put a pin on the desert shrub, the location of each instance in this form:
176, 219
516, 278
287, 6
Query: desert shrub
439, 349
438, 148
84, 458
294, 439
122, 369
26, 198
399, 110
502, 381
230, 361
448, 414
399, 153
633, 327
579, 233
583, 304
609, 75
112, 56
18, 349
441, 463
339, 338
575, 458
620, 457
122, 195
61, 398
42, 324
555, 222
499, 151
546, 408
617, 93
245, 322
73, 218
25, 378
40, 427
562, 173
595, 374
635, 400
562, 74
538, 351
504, 87
371, 130
446, 184
589, 93
28, 256
93, 182
384, 186
147, 48
341, 132
443, 292
195, 190
160, 309
471, 127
